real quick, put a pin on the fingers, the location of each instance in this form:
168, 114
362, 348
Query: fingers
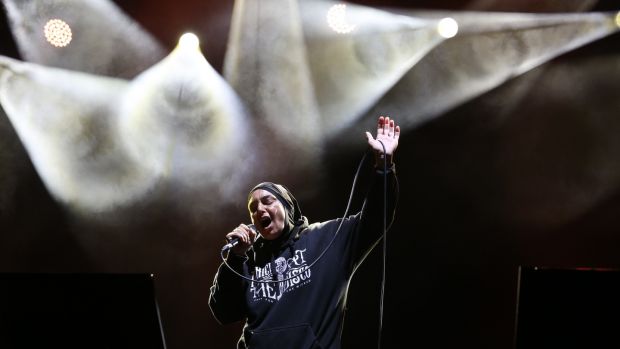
387, 127
380, 125
251, 232
243, 233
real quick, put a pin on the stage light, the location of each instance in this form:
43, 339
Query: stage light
57, 32
190, 41
176, 120
447, 27
618, 19
337, 19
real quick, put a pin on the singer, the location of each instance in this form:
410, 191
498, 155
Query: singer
293, 303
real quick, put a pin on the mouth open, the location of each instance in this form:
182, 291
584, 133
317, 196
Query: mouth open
265, 222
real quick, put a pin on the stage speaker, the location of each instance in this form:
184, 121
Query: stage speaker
86, 311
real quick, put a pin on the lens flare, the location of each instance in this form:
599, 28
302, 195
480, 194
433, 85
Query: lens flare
337, 19
447, 27
57, 32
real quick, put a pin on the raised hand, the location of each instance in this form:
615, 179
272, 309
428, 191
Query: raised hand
387, 133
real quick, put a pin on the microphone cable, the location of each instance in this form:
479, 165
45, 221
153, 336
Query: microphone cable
384, 246
346, 212
384, 254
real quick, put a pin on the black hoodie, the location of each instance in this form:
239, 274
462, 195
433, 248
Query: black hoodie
302, 305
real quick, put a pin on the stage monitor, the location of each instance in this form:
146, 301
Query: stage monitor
94, 311
567, 308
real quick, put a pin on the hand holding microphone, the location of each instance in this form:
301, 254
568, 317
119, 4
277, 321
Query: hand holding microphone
240, 239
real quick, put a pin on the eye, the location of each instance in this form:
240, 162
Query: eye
268, 200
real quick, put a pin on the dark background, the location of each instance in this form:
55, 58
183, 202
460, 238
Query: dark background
484, 188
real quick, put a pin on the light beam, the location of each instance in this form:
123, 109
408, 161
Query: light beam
104, 40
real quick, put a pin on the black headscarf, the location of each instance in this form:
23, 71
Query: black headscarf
295, 221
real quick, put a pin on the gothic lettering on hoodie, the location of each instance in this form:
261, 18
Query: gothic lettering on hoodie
287, 274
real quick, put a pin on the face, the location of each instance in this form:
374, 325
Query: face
267, 213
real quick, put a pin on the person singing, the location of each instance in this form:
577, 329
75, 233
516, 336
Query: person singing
290, 302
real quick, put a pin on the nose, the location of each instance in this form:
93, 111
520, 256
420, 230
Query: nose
260, 208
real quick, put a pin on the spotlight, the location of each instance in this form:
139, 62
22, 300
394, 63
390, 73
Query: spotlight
447, 27
57, 32
618, 19
336, 19
190, 41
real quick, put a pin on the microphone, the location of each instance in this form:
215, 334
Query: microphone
235, 241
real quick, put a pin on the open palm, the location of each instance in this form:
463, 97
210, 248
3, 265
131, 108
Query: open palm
387, 133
